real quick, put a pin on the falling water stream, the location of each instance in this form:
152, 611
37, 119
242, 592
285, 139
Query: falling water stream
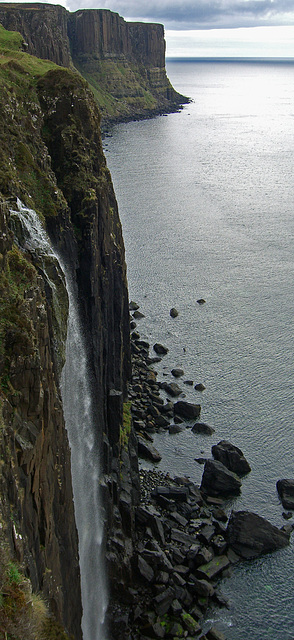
78, 414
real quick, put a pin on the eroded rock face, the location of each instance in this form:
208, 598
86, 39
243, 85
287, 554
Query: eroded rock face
250, 535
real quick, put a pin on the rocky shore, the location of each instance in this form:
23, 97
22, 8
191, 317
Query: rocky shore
185, 541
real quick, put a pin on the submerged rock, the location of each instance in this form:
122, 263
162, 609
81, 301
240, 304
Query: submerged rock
202, 427
250, 535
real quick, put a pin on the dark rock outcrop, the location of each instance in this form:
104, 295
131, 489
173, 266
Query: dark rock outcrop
231, 456
187, 410
250, 535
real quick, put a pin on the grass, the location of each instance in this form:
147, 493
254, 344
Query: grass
125, 430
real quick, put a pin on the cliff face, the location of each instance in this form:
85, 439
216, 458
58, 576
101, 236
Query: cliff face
51, 158
123, 62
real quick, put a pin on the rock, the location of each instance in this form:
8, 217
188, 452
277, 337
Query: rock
212, 568
190, 624
179, 494
172, 388
173, 313
138, 314
201, 587
201, 301
145, 571
215, 634
250, 535
189, 383
287, 515
160, 349
202, 427
218, 480
177, 373
199, 387
147, 450
187, 410
175, 428
285, 490
133, 306
232, 457
200, 460
163, 601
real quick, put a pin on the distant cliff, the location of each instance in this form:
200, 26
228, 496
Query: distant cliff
51, 158
123, 62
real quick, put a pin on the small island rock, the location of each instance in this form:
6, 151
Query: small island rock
173, 313
160, 348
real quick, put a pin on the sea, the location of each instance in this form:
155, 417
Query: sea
206, 200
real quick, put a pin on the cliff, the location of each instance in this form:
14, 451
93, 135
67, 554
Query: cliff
51, 159
123, 62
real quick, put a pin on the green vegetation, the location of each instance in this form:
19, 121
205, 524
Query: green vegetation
125, 430
24, 162
15, 327
23, 615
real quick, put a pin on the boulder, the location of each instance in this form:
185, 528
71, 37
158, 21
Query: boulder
199, 386
179, 494
137, 315
175, 428
160, 349
177, 373
202, 427
187, 410
250, 535
232, 457
201, 301
218, 480
133, 306
172, 388
146, 450
173, 313
285, 490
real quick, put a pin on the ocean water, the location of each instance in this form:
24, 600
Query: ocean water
206, 202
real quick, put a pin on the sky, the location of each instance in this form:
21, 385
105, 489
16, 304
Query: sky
211, 28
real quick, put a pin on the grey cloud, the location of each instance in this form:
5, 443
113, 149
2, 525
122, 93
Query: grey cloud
201, 14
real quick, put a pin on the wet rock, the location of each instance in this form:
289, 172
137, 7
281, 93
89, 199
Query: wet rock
202, 427
138, 315
199, 387
189, 383
173, 313
250, 535
133, 306
231, 456
147, 450
177, 373
175, 428
187, 410
172, 388
285, 490
287, 515
201, 301
218, 480
160, 348
201, 587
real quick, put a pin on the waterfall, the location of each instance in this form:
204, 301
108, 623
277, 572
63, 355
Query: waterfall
78, 414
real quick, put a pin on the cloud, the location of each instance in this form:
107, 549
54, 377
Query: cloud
198, 14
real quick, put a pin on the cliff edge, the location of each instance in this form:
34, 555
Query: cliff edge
123, 62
